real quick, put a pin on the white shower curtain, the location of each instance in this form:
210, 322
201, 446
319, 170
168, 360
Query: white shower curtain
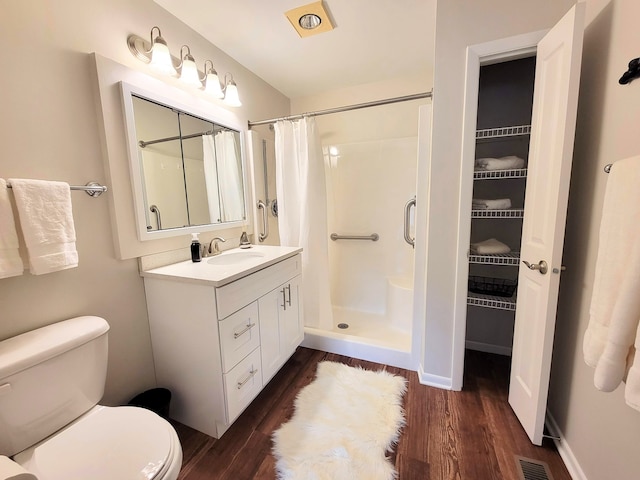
223, 177
302, 212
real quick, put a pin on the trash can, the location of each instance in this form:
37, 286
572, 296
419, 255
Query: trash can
156, 400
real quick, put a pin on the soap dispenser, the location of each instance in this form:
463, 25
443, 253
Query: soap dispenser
196, 251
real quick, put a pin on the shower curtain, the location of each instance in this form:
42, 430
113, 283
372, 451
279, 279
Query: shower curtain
302, 212
223, 177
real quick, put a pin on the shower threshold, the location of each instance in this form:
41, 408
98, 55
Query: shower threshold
368, 337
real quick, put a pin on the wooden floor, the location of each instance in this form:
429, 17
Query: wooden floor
468, 435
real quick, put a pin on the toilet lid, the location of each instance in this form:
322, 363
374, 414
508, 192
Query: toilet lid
107, 444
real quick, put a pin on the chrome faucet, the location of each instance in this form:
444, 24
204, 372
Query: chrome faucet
213, 248
244, 241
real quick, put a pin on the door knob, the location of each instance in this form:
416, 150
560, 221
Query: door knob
542, 267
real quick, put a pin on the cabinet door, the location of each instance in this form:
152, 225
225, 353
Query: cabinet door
281, 329
270, 309
291, 327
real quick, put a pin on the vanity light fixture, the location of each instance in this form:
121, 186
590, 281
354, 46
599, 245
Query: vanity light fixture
156, 54
188, 69
231, 96
211, 81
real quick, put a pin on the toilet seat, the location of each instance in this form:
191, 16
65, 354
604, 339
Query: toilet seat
106, 444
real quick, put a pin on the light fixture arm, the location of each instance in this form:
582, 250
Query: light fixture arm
186, 56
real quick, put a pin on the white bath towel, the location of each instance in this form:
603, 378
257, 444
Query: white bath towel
10, 261
497, 204
46, 219
490, 247
608, 343
502, 163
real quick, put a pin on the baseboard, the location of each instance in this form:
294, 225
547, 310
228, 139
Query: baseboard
434, 380
488, 347
564, 449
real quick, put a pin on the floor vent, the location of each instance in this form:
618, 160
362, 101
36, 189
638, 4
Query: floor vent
533, 469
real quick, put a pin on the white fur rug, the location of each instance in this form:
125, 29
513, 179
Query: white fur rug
344, 423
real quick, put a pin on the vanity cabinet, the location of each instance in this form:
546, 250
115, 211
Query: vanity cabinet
216, 344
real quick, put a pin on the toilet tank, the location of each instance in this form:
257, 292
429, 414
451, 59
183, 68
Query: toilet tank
48, 378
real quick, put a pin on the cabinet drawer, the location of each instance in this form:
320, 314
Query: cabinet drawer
239, 335
236, 295
242, 384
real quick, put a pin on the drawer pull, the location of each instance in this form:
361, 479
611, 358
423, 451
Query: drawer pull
251, 375
245, 330
284, 297
289, 288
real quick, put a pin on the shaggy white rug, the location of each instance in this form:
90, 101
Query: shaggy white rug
344, 423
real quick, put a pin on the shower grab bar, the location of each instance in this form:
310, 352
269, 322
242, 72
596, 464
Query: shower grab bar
265, 221
407, 222
156, 210
373, 237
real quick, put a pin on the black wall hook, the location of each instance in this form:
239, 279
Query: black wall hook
633, 72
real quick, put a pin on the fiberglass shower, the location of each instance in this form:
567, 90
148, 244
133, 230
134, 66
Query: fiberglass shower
370, 160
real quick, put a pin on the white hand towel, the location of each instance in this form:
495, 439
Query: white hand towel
615, 309
46, 218
10, 261
490, 247
502, 163
497, 204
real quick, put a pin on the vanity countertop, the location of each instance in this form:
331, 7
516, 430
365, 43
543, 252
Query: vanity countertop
228, 266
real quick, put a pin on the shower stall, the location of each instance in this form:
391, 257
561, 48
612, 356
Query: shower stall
371, 187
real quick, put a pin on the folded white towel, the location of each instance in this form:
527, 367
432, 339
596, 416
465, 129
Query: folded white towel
46, 219
10, 261
502, 163
608, 343
490, 247
497, 204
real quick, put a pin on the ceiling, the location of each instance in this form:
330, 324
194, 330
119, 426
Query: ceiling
373, 40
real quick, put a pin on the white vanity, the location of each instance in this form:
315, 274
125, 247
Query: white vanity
221, 329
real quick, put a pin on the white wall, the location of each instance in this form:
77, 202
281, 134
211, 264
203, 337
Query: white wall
602, 432
49, 129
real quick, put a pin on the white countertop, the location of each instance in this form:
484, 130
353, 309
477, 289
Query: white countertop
219, 275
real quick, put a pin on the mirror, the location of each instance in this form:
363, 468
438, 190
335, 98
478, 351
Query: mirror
186, 166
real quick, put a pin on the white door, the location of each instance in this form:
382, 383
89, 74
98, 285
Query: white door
551, 149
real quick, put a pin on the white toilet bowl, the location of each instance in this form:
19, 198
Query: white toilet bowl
108, 443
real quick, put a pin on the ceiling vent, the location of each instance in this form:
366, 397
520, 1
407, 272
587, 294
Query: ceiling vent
310, 19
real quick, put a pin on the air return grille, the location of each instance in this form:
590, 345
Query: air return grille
533, 469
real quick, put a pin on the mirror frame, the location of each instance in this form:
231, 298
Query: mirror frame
212, 113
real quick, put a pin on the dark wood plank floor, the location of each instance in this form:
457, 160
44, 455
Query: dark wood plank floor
468, 435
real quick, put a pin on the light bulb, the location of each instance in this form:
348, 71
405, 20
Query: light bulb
231, 96
161, 58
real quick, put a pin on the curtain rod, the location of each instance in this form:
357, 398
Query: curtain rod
375, 103
143, 144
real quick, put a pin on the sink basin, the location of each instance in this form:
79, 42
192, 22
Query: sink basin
234, 258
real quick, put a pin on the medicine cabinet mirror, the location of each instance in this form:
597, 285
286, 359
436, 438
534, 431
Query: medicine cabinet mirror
187, 166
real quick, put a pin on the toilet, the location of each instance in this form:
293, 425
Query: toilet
51, 380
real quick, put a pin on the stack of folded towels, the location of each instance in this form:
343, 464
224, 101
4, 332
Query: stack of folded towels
497, 204
489, 247
503, 163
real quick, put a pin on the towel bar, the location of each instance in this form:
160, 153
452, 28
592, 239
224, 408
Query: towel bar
92, 189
